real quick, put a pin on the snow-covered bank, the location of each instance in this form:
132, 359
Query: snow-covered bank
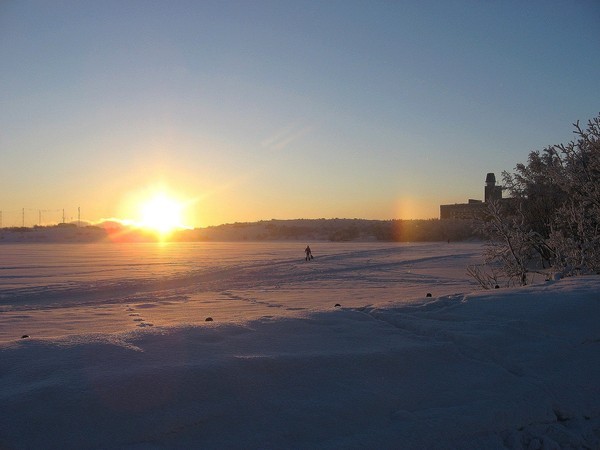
504, 369
119, 354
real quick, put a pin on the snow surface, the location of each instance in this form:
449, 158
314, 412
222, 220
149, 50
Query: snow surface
120, 354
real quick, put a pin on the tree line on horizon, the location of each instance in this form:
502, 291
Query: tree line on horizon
334, 230
344, 230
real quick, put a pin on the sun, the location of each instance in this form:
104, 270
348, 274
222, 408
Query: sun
162, 214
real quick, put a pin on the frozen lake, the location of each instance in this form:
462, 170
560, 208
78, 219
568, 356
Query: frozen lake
113, 287
108, 346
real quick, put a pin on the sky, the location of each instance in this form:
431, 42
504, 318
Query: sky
253, 110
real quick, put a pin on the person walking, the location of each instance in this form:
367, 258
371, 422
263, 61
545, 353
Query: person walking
309, 255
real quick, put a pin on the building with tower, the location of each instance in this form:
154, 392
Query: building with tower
473, 208
492, 192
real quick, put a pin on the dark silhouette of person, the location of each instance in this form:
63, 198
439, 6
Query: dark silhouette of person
309, 255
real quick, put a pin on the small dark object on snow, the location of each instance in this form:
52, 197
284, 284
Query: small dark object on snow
25, 336
208, 319
428, 294
337, 305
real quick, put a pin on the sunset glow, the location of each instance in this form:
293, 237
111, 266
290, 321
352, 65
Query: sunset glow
162, 214
258, 111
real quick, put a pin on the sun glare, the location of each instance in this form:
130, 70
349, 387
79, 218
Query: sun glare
162, 214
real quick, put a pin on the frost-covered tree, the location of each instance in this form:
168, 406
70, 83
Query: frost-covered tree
513, 249
553, 215
535, 195
575, 230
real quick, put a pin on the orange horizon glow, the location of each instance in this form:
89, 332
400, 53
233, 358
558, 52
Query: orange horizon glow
161, 213
156, 210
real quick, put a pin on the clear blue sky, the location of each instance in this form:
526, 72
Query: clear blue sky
283, 109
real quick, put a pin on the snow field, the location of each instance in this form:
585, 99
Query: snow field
510, 368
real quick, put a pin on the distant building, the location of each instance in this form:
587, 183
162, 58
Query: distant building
492, 192
473, 208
